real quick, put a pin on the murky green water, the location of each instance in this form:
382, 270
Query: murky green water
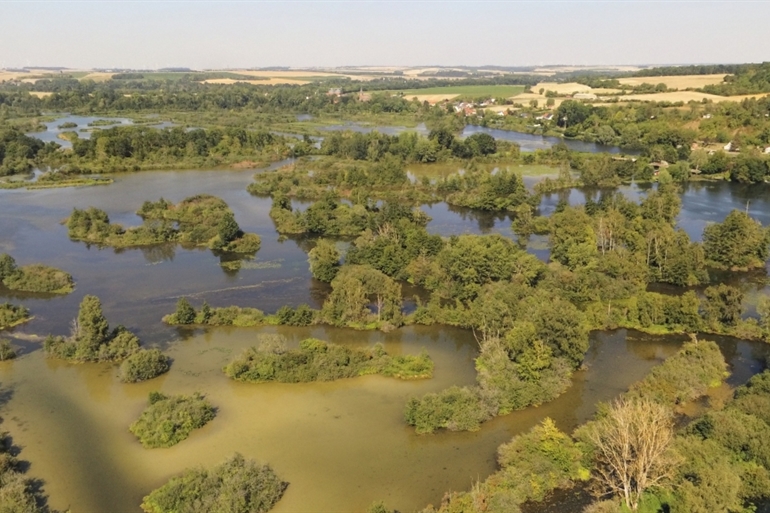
341, 445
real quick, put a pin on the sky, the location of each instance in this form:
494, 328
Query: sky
221, 34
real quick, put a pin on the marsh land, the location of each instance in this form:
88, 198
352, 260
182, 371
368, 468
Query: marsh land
267, 251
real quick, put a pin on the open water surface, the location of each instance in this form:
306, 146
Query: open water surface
340, 445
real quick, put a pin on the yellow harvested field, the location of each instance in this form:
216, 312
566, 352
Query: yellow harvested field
40, 94
525, 98
98, 76
676, 82
431, 98
501, 108
285, 74
673, 96
11, 75
268, 81
746, 96
297, 75
686, 96
567, 88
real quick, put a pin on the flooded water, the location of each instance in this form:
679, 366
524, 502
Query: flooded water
84, 127
532, 142
528, 142
340, 445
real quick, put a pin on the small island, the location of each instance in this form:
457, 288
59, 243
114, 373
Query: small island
201, 220
34, 277
93, 341
316, 360
12, 315
237, 486
170, 419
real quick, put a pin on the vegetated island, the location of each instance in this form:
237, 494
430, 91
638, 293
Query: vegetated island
236, 486
170, 419
639, 454
54, 180
93, 341
34, 277
12, 315
316, 360
201, 220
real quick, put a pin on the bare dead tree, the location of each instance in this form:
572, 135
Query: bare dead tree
633, 448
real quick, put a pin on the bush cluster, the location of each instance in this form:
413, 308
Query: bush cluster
34, 277
236, 486
143, 365
170, 419
11, 315
316, 360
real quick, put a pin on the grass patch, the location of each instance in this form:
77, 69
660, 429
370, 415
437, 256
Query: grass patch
74, 182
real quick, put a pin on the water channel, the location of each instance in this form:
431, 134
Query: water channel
340, 445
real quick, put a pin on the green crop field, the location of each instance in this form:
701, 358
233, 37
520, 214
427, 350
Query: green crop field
469, 90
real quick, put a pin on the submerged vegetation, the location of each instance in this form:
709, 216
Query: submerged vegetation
170, 419
34, 277
236, 486
316, 360
201, 220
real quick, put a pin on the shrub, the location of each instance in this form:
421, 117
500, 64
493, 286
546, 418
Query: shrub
170, 419
6, 350
11, 315
455, 408
685, 376
18, 494
34, 278
143, 365
236, 486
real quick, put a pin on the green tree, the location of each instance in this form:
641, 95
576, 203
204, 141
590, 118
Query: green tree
7, 266
92, 327
227, 229
324, 260
739, 242
185, 313
723, 304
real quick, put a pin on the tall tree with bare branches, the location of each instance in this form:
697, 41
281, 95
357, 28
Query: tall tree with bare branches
632, 448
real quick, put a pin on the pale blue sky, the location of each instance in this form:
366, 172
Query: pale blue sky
229, 34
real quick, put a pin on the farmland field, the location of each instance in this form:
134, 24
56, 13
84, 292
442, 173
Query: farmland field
676, 81
467, 90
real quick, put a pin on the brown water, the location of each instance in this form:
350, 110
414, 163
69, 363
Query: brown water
341, 445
